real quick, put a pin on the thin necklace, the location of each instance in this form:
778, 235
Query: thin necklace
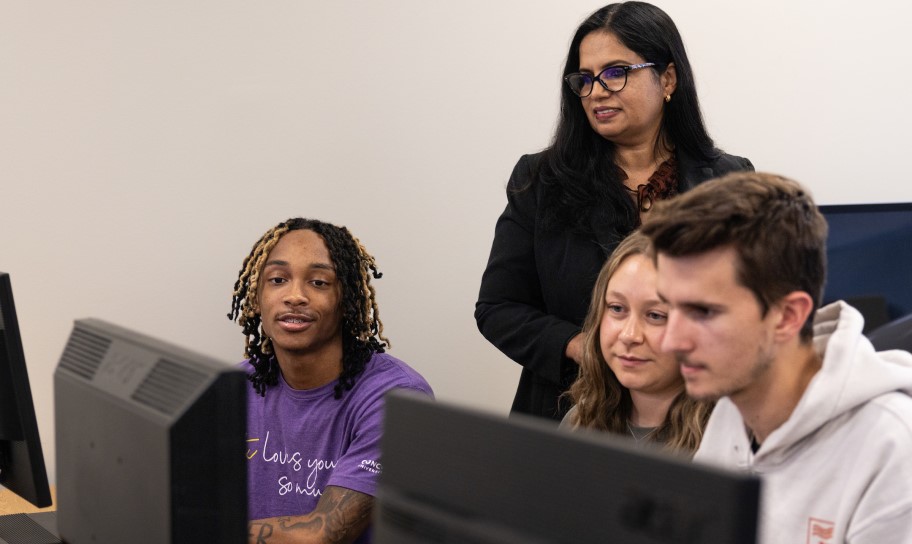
643, 436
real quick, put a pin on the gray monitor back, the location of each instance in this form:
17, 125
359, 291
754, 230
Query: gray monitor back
454, 475
150, 441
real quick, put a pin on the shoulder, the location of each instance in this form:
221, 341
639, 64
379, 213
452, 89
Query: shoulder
384, 372
893, 414
524, 192
246, 367
880, 428
724, 163
525, 173
695, 170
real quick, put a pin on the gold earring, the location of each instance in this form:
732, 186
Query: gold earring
667, 98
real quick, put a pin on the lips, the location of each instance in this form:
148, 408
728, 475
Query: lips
604, 113
690, 369
631, 361
295, 322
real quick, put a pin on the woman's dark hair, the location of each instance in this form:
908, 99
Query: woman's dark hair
578, 167
362, 330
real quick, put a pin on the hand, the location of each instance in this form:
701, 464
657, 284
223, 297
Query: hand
574, 349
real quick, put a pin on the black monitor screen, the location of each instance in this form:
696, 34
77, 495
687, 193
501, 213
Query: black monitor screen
454, 475
869, 259
150, 441
22, 468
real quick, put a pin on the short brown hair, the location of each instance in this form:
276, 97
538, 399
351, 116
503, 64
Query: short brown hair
771, 222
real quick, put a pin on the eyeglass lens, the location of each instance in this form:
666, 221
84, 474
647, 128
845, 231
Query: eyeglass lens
612, 78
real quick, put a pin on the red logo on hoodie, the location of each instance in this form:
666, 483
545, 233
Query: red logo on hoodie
820, 531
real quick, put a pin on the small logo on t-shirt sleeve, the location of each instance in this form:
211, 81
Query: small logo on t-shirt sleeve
371, 466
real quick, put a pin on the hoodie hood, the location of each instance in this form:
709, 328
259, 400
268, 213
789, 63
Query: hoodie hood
852, 374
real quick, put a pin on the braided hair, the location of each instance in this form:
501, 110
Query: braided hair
362, 331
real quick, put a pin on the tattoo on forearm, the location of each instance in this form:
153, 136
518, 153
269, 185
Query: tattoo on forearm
340, 516
339, 513
259, 531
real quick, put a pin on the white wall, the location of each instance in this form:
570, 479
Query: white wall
144, 147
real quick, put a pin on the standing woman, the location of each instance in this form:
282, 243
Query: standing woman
630, 132
626, 384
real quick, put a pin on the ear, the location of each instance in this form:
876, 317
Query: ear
794, 310
669, 79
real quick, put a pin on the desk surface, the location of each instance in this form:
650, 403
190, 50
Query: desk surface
10, 503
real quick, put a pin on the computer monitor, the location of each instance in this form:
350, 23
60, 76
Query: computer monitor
896, 334
150, 441
452, 474
22, 468
869, 259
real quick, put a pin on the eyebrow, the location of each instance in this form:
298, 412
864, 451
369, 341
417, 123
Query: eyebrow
320, 266
615, 294
688, 303
694, 305
619, 295
609, 64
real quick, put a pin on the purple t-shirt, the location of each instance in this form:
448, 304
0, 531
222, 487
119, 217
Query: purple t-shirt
300, 441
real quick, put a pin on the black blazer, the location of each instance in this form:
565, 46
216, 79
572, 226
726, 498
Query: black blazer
536, 288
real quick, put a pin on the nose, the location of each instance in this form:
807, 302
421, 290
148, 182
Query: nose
632, 333
598, 87
296, 294
675, 338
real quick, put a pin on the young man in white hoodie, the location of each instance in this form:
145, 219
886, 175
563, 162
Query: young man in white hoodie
804, 400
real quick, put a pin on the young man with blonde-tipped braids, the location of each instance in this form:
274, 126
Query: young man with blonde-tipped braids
805, 401
318, 371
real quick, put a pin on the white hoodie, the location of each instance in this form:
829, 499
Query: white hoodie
840, 468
